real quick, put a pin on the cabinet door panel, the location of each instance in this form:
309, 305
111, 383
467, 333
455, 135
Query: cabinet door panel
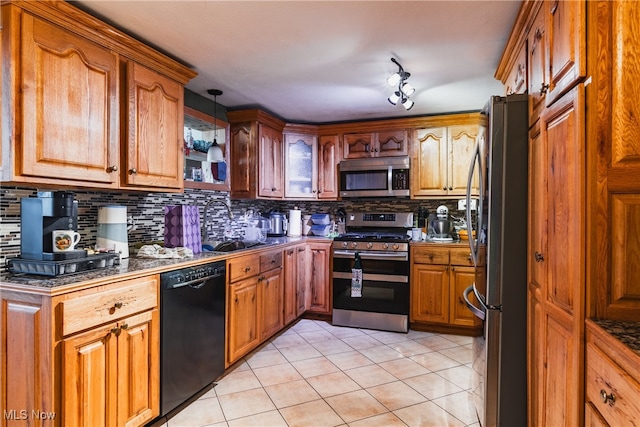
429, 170
536, 42
562, 127
328, 159
271, 313
561, 400
537, 208
301, 152
319, 279
566, 38
430, 293
358, 145
392, 143
89, 373
303, 279
243, 159
462, 141
138, 369
155, 130
625, 255
242, 327
461, 278
271, 171
69, 107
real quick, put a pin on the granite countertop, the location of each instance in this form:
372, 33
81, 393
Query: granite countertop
626, 332
133, 266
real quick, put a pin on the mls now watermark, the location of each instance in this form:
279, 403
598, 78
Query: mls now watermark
23, 414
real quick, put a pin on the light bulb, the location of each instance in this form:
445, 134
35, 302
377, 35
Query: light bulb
407, 89
394, 98
394, 79
408, 104
215, 154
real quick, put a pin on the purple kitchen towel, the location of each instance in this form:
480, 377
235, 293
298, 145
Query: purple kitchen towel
182, 227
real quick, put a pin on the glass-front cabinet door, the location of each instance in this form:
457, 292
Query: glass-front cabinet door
206, 151
301, 154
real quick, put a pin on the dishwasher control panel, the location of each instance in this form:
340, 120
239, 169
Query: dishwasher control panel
188, 275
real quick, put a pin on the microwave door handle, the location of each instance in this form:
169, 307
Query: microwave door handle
389, 180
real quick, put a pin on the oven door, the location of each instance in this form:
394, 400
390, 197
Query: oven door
385, 282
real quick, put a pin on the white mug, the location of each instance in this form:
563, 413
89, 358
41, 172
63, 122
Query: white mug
64, 240
416, 234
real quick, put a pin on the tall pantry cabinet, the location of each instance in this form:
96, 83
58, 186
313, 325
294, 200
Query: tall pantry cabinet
584, 207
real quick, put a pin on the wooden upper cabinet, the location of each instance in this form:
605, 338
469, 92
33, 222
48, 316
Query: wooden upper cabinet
566, 45
441, 158
301, 163
257, 155
613, 141
378, 144
328, 159
68, 120
429, 168
89, 106
537, 57
154, 129
271, 149
516, 81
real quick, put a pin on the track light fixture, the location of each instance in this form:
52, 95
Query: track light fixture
405, 90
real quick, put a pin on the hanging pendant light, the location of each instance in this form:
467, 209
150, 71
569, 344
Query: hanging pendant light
215, 154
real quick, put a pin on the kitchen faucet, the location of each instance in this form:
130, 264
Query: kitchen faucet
206, 215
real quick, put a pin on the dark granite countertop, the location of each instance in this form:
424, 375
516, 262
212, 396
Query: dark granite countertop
130, 267
626, 332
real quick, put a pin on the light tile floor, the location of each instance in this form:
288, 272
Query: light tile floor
317, 374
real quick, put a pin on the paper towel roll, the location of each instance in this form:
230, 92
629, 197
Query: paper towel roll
295, 223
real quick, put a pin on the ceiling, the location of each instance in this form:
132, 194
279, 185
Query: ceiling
327, 61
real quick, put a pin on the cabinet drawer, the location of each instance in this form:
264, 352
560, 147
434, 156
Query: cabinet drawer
114, 302
461, 256
270, 261
429, 255
241, 268
604, 374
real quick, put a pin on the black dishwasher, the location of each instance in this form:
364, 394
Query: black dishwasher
192, 319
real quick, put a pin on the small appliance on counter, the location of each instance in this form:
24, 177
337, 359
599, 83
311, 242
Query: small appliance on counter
278, 224
441, 226
112, 230
39, 217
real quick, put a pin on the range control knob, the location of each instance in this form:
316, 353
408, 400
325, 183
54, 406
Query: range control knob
369, 245
354, 244
395, 246
345, 245
385, 245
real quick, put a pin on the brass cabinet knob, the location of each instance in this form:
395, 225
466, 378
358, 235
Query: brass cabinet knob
538, 256
607, 398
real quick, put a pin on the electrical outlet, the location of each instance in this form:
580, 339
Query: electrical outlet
462, 204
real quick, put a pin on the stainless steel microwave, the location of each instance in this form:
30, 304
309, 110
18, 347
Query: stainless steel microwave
375, 177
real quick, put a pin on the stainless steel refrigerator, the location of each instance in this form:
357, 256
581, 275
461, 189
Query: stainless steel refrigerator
500, 355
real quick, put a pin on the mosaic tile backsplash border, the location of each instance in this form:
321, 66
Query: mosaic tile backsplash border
147, 212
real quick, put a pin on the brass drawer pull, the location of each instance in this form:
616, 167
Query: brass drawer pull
607, 398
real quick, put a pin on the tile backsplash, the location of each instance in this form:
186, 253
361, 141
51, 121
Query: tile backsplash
147, 212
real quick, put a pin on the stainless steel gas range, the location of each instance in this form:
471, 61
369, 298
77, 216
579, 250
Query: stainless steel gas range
382, 243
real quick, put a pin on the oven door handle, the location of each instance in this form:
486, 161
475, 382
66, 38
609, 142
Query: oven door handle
391, 256
371, 277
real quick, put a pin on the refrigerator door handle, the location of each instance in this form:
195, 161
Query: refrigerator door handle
478, 312
475, 160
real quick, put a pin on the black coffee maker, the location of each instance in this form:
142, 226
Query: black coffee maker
39, 216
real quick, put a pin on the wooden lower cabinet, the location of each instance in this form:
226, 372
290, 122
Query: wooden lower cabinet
612, 385
319, 268
255, 302
93, 395
87, 357
437, 283
242, 308
295, 283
